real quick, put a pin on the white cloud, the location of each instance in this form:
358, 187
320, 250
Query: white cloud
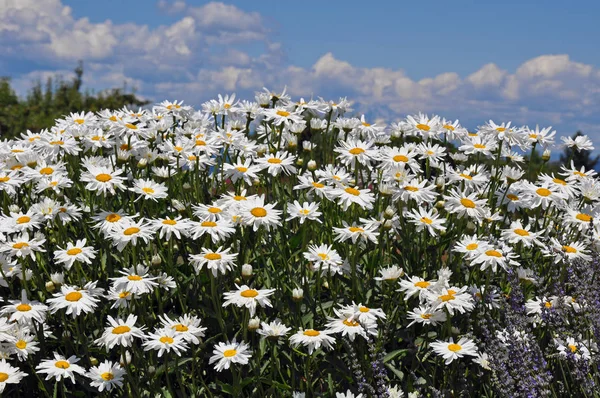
203, 53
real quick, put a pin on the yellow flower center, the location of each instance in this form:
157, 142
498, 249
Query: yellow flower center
356, 151
200, 143
113, 118
107, 376
579, 173
103, 177
569, 249
311, 332
465, 176
583, 217
258, 212
548, 304
169, 222
178, 148
512, 197
426, 220
210, 224
131, 126
62, 364
23, 307
121, 329
74, 251
493, 253
572, 347
4, 179
114, 217
317, 185
521, 232
350, 323
283, 113
448, 127
304, 211
123, 295
46, 171
73, 296
422, 284
543, 192
363, 309
241, 169
323, 256
454, 347
166, 340
411, 188
356, 229
227, 106
479, 146
400, 158
212, 256
426, 316
180, 328
79, 121
559, 181
134, 277
500, 129
468, 203
423, 127
148, 190
274, 161
366, 124
472, 246
23, 220
21, 344
229, 353
131, 231
250, 293
57, 142
353, 191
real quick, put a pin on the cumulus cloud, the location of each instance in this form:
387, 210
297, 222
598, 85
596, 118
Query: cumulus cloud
204, 53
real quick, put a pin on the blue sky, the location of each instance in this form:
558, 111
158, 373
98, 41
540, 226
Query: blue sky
526, 61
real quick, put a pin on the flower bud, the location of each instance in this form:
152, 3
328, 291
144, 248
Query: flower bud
94, 361
156, 260
253, 324
246, 271
387, 225
237, 281
440, 204
142, 163
546, 155
299, 162
58, 278
471, 226
326, 285
178, 205
179, 260
389, 213
50, 287
298, 294
14, 209
312, 165
125, 360
439, 182
187, 186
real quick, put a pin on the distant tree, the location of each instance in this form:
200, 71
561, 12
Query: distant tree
581, 158
44, 104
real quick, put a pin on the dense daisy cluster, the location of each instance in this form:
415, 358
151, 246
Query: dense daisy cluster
287, 248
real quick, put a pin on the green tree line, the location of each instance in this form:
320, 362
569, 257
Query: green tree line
44, 103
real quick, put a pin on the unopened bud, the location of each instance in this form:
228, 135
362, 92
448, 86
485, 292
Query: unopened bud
299, 162
179, 260
125, 360
237, 281
389, 213
298, 294
50, 287
246, 271
187, 186
471, 226
14, 209
156, 260
253, 324
387, 225
440, 204
142, 163
439, 182
546, 155
94, 361
312, 165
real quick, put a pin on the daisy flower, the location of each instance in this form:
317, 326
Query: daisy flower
365, 232
417, 190
247, 297
9, 374
579, 143
215, 260
570, 251
470, 246
450, 350
423, 218
494, 257
23, 344
227, 353
186, 326
306, 211
348, 195
572, 347
317, 187
421, 125
165, 340
106, 376
75, 300
391, 274
135, 280
450, 299
107, 221
218, 230
273, 330
426, 316
415, 285
323, 256
60, 367
130, 232
312, 339
280, 115
463, 204
75, 252
256, 213
245, 171
103, 179
517, 233
347, 327
276, 163
148, 189
22, 245
120, 332
25, 310
353, 151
